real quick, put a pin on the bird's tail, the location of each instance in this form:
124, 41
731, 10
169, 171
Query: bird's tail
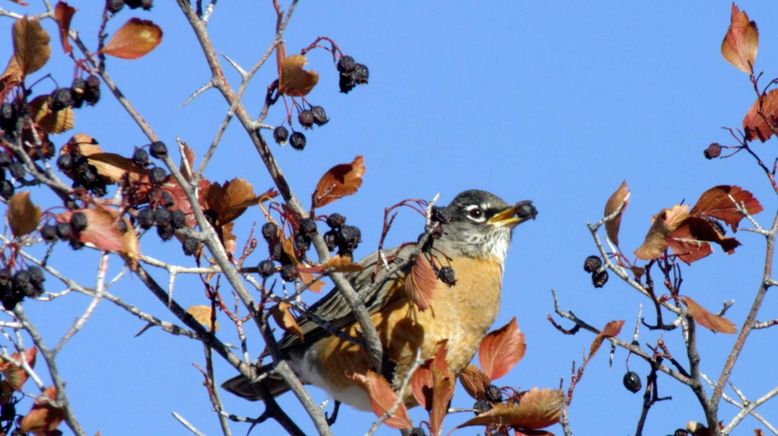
243, 387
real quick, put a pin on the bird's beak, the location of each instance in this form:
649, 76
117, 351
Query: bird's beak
514, 215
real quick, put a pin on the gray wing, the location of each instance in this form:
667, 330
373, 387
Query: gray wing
332, 311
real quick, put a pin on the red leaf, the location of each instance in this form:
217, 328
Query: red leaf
383, 398
134, 39
716, 203
63, 13
617, 202
663, 224
538, 408
741, 42
421, 282
762, 117
14, 374
103, 232
706, 319
43, 417
339, 181
501, 350
432, 386
610, 330
690, 240
474, 381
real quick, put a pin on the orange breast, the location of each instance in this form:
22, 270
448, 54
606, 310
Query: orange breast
460, 314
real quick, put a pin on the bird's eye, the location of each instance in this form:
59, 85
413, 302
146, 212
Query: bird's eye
475, 213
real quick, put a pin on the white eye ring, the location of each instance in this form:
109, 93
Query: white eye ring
475, 213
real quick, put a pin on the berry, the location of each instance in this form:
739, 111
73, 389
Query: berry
7, 117
121, 225
145, 218
592, 264
447, 276
166, 199
133, 4
280, 134
275, 250
6, 189
190, 246
157, 175
114, 6
140, 157
92, 90
713, 151
11, 300
336, 220
21, 278
266, 268
599, 278
147, 4
493, 394
351, 237
158, 149
361, 74
301, 246
178, 219
331, 239
165, 232
5, 278
5, 159
346, 82
289, 273
8, 411
78, 221
162, 216
18, 171
270, 232
681, 432
65, 161
632, 382
526, 210
319, 116
482, 406
297, 140
64, 231
61, 98
305, 118
307, 228
49, 232
416, 431
346, 64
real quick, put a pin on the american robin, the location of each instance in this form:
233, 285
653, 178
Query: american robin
473, 242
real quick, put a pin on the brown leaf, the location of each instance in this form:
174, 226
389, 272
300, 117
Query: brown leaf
741, 42
663, 224
228, 237
134, 39
295, 81
421, 282
474, 381
383, 398
31, 45
23, 216
617, 202
442, 391
706, 319
15, 374
11, 77
339, 181
421, 386
690, 240
51, 121
63, 13
501, 350
716, 203
103, 232
203, 314
284, 318
43, 417
762, 118
228, 202
537, 409
314, 284
610, 330
342, 264
180, 200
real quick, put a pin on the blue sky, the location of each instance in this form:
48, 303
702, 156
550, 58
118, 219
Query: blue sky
557, 102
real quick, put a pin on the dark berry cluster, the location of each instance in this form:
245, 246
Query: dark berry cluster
315, 115
115, 6
297, 139
351, 73
83, 173
81, 91
593, 265
344, 237
166, 221
7, 164
67, 231
303, 237
23, 283
272, 235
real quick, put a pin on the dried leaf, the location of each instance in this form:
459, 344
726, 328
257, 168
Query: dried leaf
14, 374
31, 45
63, 14
134, 39
11, 77
762, 118
23, 216
313, 283
189, 156
501, 350
103, 232
421, 282
617, 202
690, 240
203, 314
706, 319
43, 417
537, 409
474, 381
342, 264
741, 42
180, 200
295, 81
339, 181
48, 120
716, 203
610, 330
228, 202
284, 318
663, 224
383, 398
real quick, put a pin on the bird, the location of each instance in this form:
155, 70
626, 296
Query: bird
474, 236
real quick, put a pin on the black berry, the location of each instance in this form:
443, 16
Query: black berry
133, 4
190, 246
140, 157
49, 232
331, 238
280, 134
6, 189
178, 219
307, 228
346, 64
482, 406
493, 394
289, 273
297, 140
92, 90
65, 161
18, 171
78, 87
592, 264
336, 220
319, 116
632, 382
78, 221
361, 74
114, 6
64, 231
162, 216
8, 411
447, 276
158, 149
270, 232
61, 98
305, 118
351, 237
145, 218
599, 279
157, 175
266, 268
417, 431
165, 232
